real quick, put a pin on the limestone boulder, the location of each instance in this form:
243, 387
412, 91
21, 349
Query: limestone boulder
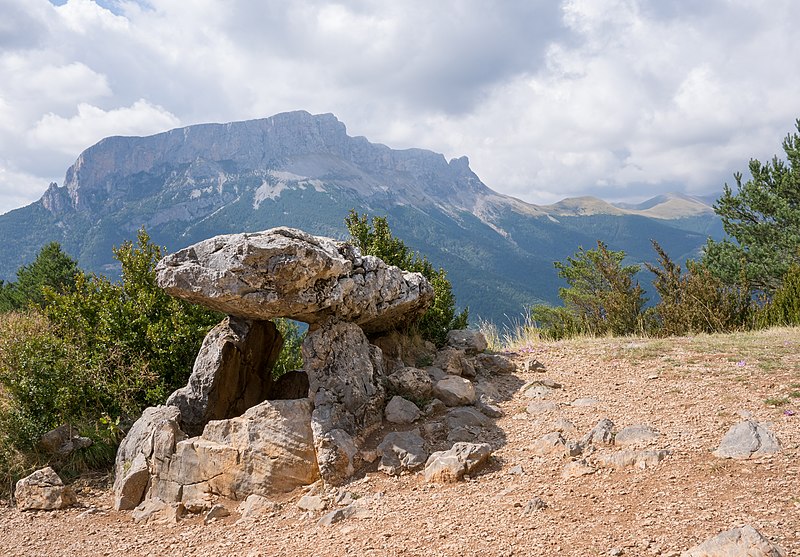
267, 450
148, 445
401, 411
495, 364
454, 362
454, 391
402, 452
452, 465
737, 542
747, 439
232, 372
285, 272
471, 342
43, 490
410, 382
346, 383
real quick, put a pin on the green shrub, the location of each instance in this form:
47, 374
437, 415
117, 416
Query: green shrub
51, 270
696, 301
784, 307
556, 323
377, 239
94, 357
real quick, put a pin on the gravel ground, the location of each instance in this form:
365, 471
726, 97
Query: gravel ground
690, 389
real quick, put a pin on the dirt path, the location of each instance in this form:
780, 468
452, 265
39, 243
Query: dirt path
690, 389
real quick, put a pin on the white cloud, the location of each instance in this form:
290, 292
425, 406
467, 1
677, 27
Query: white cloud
610, 97
91, 124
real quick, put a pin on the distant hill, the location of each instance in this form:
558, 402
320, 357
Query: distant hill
303, 170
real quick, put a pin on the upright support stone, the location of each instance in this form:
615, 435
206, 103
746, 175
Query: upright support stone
232, 372
345, 375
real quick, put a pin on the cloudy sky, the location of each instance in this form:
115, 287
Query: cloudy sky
620, 99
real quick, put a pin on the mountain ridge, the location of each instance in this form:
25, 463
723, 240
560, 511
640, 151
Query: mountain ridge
303, 170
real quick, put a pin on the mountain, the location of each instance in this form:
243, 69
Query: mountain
303, 170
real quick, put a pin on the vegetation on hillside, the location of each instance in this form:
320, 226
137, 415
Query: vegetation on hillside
750, 280
375, 238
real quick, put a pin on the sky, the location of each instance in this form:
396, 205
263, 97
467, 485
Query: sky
619, 99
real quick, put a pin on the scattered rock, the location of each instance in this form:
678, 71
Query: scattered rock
576, 468
563, 425
401, 452
471, 342
401, 411
626, 457
63, 441
435, 373
197, 506
636, 435
256, 505
156, 510
552, 443
536, 390
410, 382
466, 416
738, 542
532, 365
454, 362
434, 407
602, 433
215, 512
584, 402
312, 503
495, 364
452, 465
516, 470
43, 490
488, 408
541, 407
534, 505
747, 439
573, 449
454, 391
336, 515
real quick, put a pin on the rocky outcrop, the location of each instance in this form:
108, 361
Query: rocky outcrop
284, 272
234, 431
267, 450
43, 490
230, 375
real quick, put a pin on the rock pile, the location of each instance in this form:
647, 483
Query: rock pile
234, 431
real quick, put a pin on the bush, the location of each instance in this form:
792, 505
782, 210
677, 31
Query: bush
784, 307
94, 357
601, 297
377, 239
696, 301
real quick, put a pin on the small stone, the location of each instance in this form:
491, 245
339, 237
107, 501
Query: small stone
585, 402
256, 505
533, 365
576, 468
471, 342
455, 391
311, 503
336, 515
402, 452
615, 552
541, 407
534, 505
215, 512
636, 435
602, 433
552, 443
197, 506
516, 470
401, 411
434, 407
495, 364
